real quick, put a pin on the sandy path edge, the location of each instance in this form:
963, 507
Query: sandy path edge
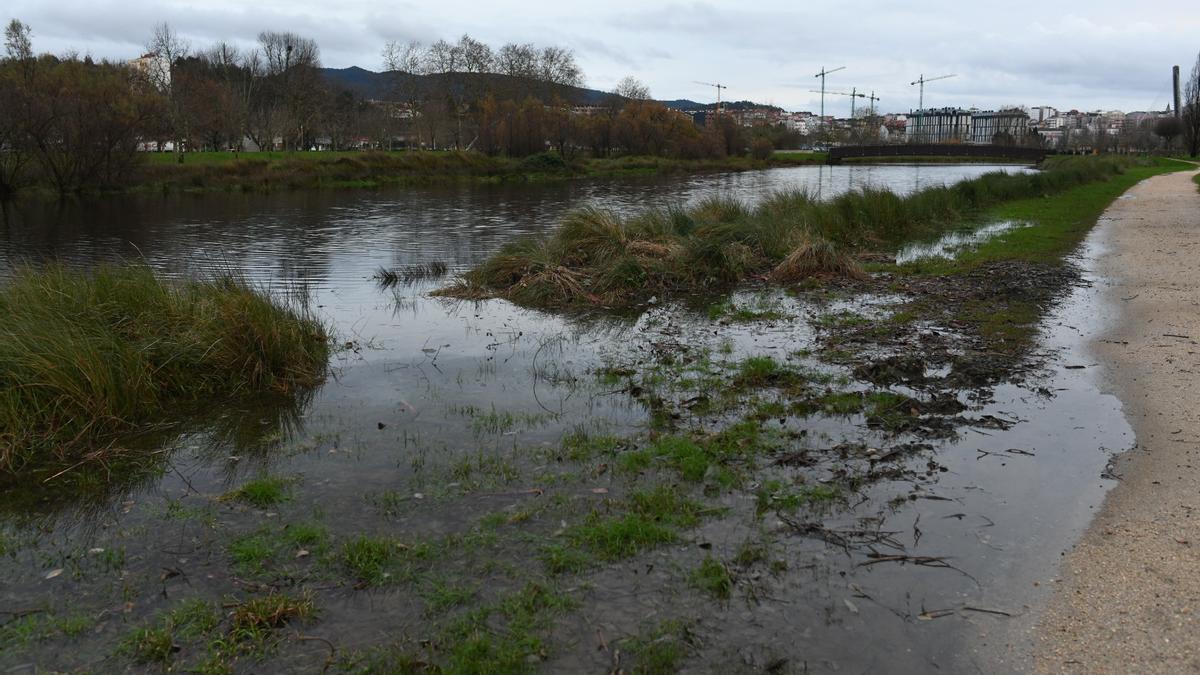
1129, 596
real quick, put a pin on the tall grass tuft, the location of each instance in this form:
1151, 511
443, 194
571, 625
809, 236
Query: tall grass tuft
87, 357
597, 257
815, 257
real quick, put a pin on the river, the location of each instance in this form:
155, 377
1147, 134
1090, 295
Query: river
423, 389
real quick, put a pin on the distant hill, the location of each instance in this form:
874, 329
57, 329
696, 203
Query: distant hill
378, 86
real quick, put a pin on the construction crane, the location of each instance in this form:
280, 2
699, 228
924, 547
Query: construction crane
853, 94
873, 98
719, 88
822, 75
922, 80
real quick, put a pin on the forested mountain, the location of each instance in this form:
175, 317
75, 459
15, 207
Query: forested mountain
369, 84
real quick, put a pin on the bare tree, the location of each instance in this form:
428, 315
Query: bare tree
444, 61
632, 88
294, 86
1191, 110
517, 60
557, 67
164, 52
405, 63
477, 57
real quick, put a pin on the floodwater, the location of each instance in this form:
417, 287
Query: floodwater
423, 387
951, 244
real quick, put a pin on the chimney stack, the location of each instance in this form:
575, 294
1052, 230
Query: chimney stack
1175, 78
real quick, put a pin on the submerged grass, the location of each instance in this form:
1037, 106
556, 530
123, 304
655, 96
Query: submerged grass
89, 357
598, 258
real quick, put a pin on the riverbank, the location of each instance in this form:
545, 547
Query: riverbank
275, 171
1129, 594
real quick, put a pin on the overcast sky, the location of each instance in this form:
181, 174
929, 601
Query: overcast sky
1099, 54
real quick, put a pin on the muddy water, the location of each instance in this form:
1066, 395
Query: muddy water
423, 388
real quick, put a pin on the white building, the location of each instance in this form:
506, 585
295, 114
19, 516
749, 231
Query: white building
156, 69
1041, 114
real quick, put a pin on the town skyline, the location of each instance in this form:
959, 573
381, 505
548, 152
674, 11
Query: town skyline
1108, 57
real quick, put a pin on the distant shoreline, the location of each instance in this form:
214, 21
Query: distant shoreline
261, 172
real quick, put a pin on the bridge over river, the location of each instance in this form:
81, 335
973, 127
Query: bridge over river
836, 155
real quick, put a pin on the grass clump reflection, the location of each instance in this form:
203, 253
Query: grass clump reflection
88, 357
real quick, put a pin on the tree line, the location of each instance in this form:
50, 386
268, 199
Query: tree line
77, 124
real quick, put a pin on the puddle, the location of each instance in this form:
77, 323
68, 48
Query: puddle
949, 246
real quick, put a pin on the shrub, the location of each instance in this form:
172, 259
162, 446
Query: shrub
89, 357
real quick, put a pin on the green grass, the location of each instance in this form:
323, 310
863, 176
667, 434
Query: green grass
713, 578
645, 519
441, 596
599, 258
370, 559
720, 458
660, 650
250, 554
265, 550
776, 495
581, 446
1063, 219
262, 492
17, 633
150, 645
506, 635
90, 358
197, 635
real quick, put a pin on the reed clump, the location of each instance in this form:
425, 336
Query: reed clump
598, 258
816, 258
89, 357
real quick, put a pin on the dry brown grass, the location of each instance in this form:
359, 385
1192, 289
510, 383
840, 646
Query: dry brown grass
815, 257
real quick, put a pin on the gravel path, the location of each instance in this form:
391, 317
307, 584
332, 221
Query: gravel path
1129, 598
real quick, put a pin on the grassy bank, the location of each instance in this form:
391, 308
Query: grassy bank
268, 171
597, 258
1058, 224
87, 359
928, 159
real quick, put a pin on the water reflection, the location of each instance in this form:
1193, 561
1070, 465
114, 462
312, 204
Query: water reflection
335, 238
948, 246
